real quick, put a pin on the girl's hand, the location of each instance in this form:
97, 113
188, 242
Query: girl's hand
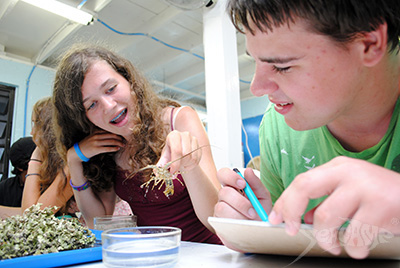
97, 143
183, 149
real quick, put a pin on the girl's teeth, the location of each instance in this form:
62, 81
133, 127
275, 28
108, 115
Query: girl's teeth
118, 116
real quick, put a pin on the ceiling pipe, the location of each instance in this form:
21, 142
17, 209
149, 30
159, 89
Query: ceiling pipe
180, 90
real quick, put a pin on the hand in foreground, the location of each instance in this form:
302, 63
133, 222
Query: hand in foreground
183, 149
98, 143
363, 192
232, 203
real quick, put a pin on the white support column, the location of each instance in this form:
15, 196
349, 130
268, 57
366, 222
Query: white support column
222, 86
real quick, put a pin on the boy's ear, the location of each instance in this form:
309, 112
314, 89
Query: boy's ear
374, 45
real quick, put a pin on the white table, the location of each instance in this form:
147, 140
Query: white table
193, 255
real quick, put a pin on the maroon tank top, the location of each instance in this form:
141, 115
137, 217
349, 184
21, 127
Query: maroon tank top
153, 208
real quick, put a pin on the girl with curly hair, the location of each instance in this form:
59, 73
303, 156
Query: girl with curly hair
47, 178
109, 124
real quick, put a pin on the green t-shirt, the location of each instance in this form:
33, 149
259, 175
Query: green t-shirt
285, 152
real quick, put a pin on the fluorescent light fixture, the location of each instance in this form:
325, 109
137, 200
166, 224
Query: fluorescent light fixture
63, 10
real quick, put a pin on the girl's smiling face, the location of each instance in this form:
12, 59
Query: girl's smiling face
107, 99
311, 80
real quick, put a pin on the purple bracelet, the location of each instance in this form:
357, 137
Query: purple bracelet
84, 186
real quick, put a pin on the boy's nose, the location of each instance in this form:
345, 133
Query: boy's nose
261, 84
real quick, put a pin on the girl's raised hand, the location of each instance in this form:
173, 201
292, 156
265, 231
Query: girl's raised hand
97, 143
182, 150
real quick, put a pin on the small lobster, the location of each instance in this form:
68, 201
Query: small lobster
161, 175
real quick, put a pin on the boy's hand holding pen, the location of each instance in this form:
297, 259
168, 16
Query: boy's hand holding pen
253, 199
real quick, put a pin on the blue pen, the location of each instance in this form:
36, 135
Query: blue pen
253, 199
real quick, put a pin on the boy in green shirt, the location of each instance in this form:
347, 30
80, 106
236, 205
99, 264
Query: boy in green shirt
331, 72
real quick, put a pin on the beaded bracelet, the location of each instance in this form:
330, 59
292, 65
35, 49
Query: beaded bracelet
32, 174
79, 153
82, 187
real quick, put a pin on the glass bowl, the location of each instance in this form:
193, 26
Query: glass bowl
150, 246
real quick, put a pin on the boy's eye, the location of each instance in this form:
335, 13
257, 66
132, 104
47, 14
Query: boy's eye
280, 69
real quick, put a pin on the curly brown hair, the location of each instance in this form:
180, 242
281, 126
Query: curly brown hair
72, 125
43, 135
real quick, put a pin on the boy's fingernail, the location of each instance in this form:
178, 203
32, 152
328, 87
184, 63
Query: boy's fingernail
252, 213
335, 250
272, 215
289, 228
241, 184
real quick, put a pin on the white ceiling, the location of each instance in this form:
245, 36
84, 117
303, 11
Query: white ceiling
31, 34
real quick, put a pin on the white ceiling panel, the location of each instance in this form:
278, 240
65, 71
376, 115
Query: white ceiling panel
166, 43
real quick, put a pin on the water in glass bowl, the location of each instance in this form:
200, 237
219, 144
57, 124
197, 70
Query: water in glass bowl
158, 253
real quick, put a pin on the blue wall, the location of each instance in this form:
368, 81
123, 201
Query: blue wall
252, 112
251, 125
15, 74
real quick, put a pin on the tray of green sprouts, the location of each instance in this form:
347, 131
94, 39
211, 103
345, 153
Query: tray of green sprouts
37, 231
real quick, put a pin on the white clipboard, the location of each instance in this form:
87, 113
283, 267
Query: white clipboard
264, 238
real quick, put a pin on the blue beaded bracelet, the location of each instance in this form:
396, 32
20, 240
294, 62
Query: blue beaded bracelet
82, 187
79, 153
